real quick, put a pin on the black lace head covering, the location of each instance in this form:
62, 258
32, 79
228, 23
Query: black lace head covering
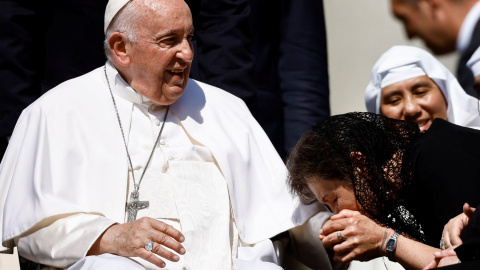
378, 150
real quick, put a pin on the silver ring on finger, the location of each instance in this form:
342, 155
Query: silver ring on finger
442, 244
149, 246
339, 235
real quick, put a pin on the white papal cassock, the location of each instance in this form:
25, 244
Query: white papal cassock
215, 175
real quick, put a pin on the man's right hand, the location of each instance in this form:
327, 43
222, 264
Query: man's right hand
452, 230
129, 240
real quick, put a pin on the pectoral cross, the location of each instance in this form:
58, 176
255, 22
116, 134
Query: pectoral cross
134, 205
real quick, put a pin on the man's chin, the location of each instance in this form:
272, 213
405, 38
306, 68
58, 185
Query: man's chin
440, 49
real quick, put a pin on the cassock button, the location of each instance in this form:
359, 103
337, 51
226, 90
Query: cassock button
157, 122
162, 142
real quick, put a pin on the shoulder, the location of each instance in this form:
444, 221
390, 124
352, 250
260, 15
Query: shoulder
201, 92
72, 93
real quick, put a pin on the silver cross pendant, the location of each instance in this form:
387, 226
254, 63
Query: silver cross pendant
134, 205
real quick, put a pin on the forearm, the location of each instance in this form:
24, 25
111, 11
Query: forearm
63, 242
412, 254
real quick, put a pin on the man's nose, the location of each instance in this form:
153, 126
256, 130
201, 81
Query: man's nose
186, 51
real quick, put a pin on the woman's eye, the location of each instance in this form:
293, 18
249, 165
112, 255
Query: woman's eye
393, 101
420, 91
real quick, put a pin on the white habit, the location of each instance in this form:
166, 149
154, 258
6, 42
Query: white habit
66, 164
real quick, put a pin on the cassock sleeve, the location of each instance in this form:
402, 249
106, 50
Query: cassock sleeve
259, 256
303, 67
63, 242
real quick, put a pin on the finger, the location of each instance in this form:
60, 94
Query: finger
152, 258
433, 264
168, 230
443, 253
167, 241
468, 210
326, 224
345, 250
332, 239
344, 254
454, 236
446, 238
165, 253
345, 213
454, 240
335, 225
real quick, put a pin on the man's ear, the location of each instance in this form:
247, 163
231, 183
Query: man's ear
119, 47
437, 9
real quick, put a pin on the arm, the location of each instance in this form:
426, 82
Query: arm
62, 242
303, 67
362, 240
68, 239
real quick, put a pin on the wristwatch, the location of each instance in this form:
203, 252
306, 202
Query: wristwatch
391, 244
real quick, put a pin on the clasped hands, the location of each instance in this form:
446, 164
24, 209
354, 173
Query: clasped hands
129, 240
360, 237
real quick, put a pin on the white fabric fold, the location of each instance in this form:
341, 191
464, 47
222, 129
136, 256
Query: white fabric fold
474, 62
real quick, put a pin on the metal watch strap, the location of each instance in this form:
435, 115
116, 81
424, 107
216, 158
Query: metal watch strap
391, 244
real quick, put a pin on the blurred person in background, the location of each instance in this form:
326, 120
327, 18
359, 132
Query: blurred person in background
444, 26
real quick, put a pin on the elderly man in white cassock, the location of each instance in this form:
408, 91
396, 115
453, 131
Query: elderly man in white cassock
127, 167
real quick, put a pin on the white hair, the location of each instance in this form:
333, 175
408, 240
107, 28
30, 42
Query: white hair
125, 21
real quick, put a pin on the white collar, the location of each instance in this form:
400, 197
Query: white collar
467, 28
121, 88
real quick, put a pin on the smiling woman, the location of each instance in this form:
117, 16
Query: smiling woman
408, 83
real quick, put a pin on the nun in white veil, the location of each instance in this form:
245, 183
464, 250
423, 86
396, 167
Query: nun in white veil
401, 63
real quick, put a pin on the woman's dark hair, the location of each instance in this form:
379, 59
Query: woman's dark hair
313, 158
371, 153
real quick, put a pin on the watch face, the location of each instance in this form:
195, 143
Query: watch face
390, 244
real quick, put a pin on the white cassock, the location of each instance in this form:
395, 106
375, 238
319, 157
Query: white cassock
214, 175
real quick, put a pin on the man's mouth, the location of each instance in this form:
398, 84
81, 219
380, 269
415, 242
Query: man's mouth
175, 71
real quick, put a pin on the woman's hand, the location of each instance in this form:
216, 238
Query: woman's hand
452, 230
129, 240
443, 258
360, 239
